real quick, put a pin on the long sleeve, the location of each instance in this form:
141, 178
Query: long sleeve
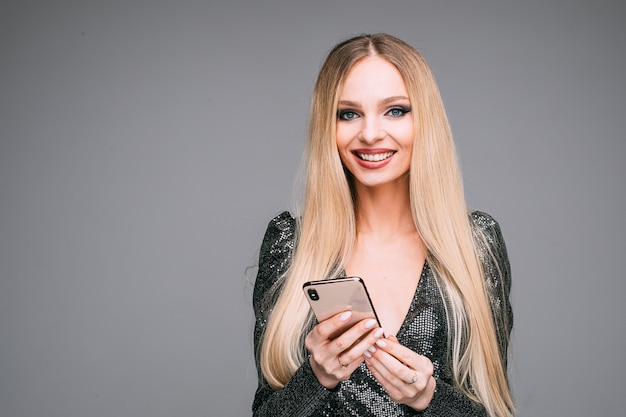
493, 255
303, 395
424, 330
449, 401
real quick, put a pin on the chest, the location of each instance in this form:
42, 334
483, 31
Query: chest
392, 277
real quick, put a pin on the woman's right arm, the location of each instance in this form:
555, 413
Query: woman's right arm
303, 394
301, 397
313, 386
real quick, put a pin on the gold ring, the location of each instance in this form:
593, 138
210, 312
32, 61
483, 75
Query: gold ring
343, 367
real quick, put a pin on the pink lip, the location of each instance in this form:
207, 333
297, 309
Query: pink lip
372, 164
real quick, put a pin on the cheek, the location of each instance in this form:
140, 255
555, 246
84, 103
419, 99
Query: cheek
342, 139
347, 131
343, 154
405, 134
342, 148
341, 136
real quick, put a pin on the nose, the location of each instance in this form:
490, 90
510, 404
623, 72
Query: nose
371, 130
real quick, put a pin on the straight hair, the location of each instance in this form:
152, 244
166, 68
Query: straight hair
326, 229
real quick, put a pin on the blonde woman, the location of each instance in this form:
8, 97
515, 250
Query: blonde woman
383, 200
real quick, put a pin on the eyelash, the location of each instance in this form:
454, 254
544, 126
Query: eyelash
403, 111
342, 114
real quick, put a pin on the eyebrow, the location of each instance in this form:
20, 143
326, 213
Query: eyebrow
381, 103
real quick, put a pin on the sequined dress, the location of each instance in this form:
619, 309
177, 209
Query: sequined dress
424, 330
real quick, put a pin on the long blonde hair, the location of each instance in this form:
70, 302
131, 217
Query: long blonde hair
327, 228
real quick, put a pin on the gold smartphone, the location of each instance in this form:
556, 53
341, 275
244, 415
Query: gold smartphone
330, 297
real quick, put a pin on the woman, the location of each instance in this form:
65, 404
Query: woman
383, 201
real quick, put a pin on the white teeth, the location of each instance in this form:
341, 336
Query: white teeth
374, 157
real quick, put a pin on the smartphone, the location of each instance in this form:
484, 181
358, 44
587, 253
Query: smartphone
330, 297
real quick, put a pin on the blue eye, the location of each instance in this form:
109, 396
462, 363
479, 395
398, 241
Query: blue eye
398, 111
347, 115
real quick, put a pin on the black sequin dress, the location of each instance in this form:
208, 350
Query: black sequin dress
424, 330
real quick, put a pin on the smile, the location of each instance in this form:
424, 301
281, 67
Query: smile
374, 157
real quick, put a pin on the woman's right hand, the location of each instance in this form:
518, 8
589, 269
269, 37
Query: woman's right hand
334, 360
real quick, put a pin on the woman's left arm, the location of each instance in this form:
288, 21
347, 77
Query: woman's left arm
408, 376
497, 269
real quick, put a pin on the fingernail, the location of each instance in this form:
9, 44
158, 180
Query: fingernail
381, 343
367, 354
372, 349
370, 323
345, 316
379, 332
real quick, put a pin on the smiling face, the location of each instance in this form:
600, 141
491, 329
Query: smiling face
374, 128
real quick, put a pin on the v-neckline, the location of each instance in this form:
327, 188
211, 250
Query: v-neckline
414, 300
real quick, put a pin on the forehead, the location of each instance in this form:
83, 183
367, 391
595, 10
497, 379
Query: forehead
373, 75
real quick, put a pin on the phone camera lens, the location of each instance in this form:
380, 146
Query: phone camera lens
313, 295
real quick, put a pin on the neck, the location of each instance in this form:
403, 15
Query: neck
384, 211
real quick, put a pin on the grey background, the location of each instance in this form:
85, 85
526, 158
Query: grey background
144, 146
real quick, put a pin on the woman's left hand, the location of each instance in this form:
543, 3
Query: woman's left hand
405, 375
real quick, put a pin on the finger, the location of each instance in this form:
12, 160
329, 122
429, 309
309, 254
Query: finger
390, 372
402, 383
406, 356
402, 361
408, 380
326, 351
353, 343
401, 353
330, 326
331, 371
347, 366
397, 389
417, 395
402, 391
